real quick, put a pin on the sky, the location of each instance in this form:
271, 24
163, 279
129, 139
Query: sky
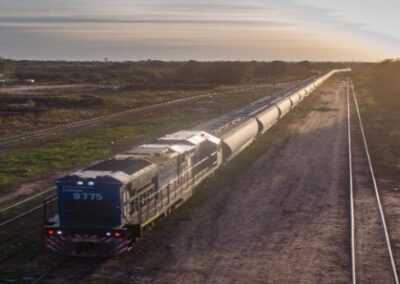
291, 30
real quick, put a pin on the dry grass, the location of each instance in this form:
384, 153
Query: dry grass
378, 91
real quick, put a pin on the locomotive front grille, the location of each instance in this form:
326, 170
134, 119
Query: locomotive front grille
83, 245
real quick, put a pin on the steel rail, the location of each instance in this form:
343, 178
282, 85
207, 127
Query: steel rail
41, 132
352, 223
23, 214
377, 195
26, 200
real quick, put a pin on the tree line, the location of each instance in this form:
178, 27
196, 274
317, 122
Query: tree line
160, 72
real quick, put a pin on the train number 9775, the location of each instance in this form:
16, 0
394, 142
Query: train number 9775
87, 196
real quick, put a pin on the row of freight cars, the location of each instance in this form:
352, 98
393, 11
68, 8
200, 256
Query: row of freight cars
102, 209
260, 120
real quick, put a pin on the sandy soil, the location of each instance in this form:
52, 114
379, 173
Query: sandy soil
390, 198
285, 222
372, 260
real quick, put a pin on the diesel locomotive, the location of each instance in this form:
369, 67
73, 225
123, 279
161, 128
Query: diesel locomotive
102, 209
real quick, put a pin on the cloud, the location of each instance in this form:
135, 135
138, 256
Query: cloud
333, 21
139, 20
139, 29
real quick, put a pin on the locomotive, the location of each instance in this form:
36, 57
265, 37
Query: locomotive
102, 209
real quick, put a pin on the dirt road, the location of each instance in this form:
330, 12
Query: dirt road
286, 221
372, 261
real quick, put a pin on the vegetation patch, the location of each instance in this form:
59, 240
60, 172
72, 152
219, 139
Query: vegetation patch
20, 164
69, 150
378, 92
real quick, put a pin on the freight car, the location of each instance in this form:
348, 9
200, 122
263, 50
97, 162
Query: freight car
104, 208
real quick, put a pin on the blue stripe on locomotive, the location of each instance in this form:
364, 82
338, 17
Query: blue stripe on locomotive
83, 194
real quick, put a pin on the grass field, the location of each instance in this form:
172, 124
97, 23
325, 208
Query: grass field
78, 148
74, 105
378, 91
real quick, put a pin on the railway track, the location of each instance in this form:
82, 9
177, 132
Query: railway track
24, 207
359, 223
82, 123
50, 271
68, 270
42, 132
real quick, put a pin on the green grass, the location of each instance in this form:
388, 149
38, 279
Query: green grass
378, 93
71, 151
18, 165
19, 245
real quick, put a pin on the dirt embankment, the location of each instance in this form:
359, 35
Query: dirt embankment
286, 221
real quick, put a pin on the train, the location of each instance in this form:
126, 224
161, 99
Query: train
104, 208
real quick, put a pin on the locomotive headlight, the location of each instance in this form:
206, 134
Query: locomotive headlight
108, 234
59, 232
90, 183
79, 183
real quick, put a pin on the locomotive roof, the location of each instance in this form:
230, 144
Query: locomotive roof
192, 136
120, 168
125, 166
163, 149
159, 153
128, 166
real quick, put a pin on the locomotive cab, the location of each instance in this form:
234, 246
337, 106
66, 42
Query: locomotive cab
89, 220
104, 208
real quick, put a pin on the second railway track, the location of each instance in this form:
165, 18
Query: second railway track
372, 259
77, 124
